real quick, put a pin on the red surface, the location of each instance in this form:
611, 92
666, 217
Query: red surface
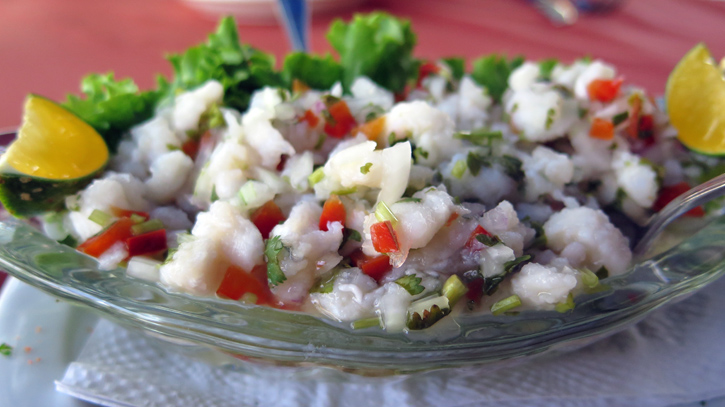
46, 46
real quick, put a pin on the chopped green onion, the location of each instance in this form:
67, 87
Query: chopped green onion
345, 191
454, 289
148, 226
566, 305
459, 168
316, 176
383, 213
182, 238
247, 192
366, 323
101, 218
506, 304
588, 278
249, 298
137, 218
366, 168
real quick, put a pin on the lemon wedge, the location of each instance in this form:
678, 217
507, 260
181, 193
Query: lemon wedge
695, 96
55, 154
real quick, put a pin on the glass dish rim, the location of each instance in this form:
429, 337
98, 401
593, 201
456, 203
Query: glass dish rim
358, 351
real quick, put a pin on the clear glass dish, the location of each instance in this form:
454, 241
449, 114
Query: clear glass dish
295, 339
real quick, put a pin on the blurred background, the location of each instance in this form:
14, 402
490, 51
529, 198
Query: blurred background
46, 46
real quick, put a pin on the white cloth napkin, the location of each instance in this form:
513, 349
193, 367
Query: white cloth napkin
676, 355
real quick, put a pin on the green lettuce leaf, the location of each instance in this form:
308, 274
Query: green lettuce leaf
457, 66
110, 106
316, 72
240, 68
493, 72
375, 45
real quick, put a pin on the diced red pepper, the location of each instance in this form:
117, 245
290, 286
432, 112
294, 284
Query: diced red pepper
147, 243
282, 162
604, 90
384, 238
126, 213
311, 119
238, 282
119, 231
472, 241
452, 219
426, 69
332, 211
341, 121
475, 289
376, 267
191, 148
403, 95
266, 217
602, 129
669, 193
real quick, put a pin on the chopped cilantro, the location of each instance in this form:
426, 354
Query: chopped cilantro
510, 266
419, 154
493, 72
510, 165
619, 118
366, 168
214, 196
457, 66
550, 118
350, 234
411, 283
488, 240
272, 249
5, 349
546, 67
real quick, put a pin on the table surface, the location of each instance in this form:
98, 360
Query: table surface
46, 46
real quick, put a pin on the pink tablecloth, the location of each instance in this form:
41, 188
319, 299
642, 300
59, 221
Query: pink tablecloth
46, 46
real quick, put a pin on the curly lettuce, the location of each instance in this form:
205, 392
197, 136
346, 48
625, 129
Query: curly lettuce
378, 46
111, 106
240, 68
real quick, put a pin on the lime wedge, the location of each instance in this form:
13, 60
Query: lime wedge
55, 154
695, 98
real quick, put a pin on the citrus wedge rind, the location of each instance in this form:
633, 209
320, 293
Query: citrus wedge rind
54, 154
695, 97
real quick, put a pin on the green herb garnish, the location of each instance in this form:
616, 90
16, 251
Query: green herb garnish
411, 283
272, 249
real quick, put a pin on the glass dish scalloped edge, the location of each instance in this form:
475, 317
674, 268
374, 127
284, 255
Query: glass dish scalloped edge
294, 339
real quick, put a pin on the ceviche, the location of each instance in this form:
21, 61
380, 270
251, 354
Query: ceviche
372, 188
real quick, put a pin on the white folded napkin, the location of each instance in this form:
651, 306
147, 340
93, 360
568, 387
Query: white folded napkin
676, 355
